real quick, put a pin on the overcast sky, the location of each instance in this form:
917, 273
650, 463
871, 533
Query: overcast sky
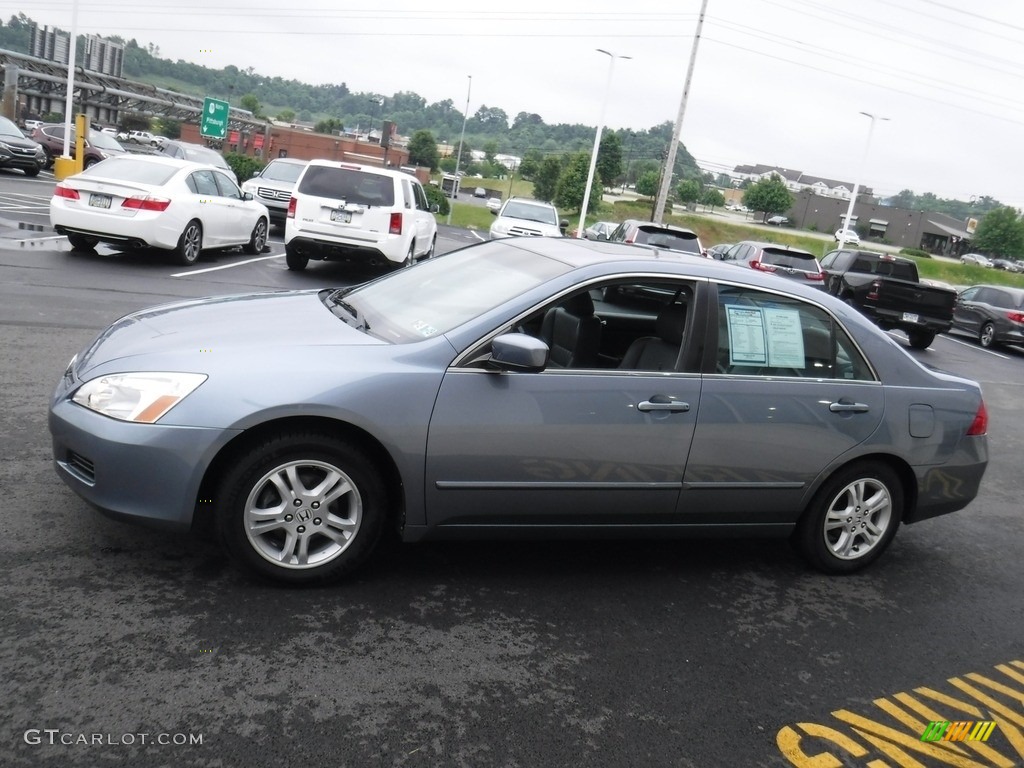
776, 81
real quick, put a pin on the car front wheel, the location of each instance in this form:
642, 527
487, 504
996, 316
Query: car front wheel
190, 243
258, 238
301, 508
852, 518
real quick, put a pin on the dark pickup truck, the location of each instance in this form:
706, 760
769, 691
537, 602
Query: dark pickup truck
887, 289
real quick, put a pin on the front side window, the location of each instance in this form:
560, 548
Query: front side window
766, 334
227, 187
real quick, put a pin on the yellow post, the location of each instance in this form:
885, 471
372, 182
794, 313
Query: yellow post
66, 166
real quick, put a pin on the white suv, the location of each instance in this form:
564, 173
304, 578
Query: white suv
360, 213
519, 217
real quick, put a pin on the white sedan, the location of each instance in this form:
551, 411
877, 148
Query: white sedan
141, 201
847, 236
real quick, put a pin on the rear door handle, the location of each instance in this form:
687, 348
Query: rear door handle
849, 407
663, 403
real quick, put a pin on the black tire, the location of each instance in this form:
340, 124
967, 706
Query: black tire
81, 242
31, 172
987, 335
190, 244
296, 262
921, 339
258, 238
299, 473
852, 518
410, 258
49, 157
90, 162
433, 248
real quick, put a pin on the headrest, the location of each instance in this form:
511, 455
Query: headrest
670, 323
580, 305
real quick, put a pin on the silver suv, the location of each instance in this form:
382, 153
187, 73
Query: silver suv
273, 186
360, 213
520, 217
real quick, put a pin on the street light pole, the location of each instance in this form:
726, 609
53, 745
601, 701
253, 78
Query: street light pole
597, 139
856, 184
462, 140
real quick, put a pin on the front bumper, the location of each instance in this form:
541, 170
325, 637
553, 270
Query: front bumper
142, 473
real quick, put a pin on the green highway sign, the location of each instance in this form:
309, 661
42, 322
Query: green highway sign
214, 121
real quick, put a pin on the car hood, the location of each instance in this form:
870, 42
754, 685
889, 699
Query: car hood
260, 321
18, 141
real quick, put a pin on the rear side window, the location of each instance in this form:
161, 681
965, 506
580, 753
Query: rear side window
349, 185
764, 334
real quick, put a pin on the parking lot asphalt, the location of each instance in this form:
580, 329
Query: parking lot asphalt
122, 646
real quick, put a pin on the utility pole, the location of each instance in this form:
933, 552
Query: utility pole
666, 176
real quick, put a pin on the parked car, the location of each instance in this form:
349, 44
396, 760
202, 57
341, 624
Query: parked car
142, 137
1007, 265
360, 213
480, 192
521, 217
31, 125
976, 259
847, 236
600, 230
98, 145
197, 153
718, 252
135, 201
494, 393
664, 236
494, 203
889, 291
18, 151
273, 186
780, 260
777, 221
993, 314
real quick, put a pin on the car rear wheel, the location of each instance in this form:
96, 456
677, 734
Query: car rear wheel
49, 157
90, 162
296, 261
81, 242
433, 248
301, 508
987, 335
921, 339
852, 518
258, 238
410, 258
190, 243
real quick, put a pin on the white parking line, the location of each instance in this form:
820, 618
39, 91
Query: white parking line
976, 347
475, 234
226, 266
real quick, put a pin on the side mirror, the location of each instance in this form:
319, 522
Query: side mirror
602, 235
563, 225
247, 196
519, 352
435, 208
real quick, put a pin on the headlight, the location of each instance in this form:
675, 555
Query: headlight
138, 397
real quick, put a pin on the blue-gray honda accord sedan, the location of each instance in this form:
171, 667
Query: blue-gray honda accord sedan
522, 387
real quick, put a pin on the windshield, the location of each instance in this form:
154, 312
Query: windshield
7, 128
104, 141
440, 294
543, 213
204, 155
135, 169
282, 172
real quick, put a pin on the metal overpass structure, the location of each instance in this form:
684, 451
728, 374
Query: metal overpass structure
33, 85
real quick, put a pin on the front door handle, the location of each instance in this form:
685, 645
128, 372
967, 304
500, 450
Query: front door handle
663, 403
849, 407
